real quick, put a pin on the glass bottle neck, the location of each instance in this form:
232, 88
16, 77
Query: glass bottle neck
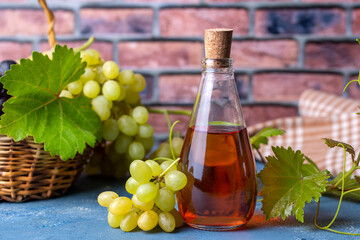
223, 65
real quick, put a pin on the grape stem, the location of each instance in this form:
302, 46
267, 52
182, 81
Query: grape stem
168, 168
342, 181
170, 139
169, 111
163, 158
85, 45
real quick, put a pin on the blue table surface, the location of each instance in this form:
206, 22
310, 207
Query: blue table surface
77, 215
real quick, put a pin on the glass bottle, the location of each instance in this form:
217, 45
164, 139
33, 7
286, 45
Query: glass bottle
216, 155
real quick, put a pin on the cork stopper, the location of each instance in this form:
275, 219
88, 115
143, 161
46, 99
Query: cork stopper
218, 43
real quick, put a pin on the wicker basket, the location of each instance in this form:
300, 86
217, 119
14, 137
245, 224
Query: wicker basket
28, 172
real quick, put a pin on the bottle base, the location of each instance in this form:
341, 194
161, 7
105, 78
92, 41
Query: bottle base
216, 228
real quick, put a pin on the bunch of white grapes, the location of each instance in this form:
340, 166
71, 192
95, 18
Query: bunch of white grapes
115, 98
153, 186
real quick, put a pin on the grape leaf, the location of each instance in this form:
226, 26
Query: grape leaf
286, 188
350, 183
333, 143
262, 136
357, 178
64, 125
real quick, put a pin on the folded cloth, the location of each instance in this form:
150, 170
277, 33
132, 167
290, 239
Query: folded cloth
322, 115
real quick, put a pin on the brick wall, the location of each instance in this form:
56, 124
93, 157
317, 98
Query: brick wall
280, 47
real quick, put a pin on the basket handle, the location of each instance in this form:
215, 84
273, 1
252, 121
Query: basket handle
51, 22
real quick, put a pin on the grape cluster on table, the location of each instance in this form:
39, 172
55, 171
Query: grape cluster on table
153, 186
4, 66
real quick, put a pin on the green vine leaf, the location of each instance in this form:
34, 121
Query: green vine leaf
64, 125
357, 178
333, 143
288, 185
262, 136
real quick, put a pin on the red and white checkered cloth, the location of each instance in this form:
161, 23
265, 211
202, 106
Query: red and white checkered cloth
321, 116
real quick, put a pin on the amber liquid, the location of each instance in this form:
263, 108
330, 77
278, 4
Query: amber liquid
221, 189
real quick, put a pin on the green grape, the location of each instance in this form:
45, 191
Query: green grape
88, 75
164, 150
131, 185
101, 108
110, 69
140, 114
175, 180
114, 220
136, 150
164, 165
103, 99
90, 56
165, 199
94, 56
146, 142
167, 221
120, 206
105, 198
122, 143
140, 171
127, 125
129, 221
147, 192
111, 90
139, 84
126, 77
145, 131
75, 87
122, 93
99, 77
141, 205
66, 94
179, 221
177, 143
131, 97
91, 89
85, 57
110, 129
111, 155
148, 220
155, 167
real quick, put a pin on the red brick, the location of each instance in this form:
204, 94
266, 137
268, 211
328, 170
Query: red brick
14, 51
33, 22
289, 86
162, 1
160, 54
116, 21
353, 90
235, 1
178, 88
326, 21
13, 1
185, 87
259, 113
92, 1
105, 48
331, 1
158, 121
147, 93
330, 55
265, 53
356, 21
193, 21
